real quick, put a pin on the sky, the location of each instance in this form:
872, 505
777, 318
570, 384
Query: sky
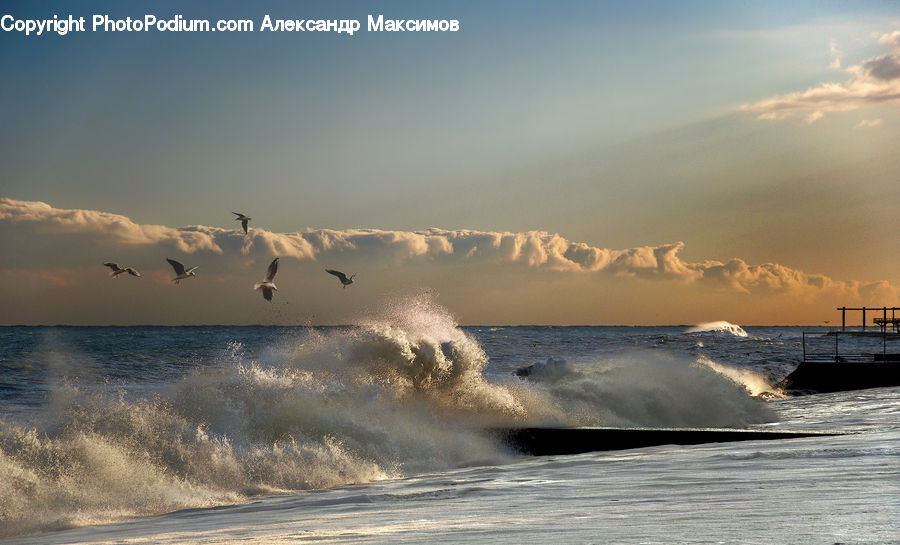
576, 163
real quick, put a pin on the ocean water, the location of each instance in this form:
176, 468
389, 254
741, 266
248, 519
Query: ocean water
374, 433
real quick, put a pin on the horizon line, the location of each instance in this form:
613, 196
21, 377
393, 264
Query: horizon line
459, 325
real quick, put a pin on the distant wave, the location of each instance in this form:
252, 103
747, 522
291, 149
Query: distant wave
718, 327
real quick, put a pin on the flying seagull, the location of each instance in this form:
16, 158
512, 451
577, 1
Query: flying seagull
117, 270
267, 286
243, 219
179, 270
341, 276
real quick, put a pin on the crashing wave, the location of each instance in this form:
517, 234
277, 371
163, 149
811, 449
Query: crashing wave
403, 392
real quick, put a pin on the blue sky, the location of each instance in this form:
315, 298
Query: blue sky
617, 125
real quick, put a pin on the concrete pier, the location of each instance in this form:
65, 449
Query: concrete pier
838, 376
557, 441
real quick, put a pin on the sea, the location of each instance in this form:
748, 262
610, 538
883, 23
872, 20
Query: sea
377, 432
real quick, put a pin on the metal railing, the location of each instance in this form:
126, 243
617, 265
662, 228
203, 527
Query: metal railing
850, 344
882, 322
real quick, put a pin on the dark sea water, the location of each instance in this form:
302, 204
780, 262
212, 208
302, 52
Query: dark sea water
374, 433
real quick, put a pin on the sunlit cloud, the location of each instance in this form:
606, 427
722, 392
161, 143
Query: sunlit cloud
874, 81
47, 220
22, 220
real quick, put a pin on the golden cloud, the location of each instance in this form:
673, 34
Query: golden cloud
536, 249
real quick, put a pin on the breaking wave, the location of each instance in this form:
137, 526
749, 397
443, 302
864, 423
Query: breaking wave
401, 393
648, 388
718, 327
755, 383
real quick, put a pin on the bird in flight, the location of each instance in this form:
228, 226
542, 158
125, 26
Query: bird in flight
179, 270
341, 276
117, 270
243, 219
267, 285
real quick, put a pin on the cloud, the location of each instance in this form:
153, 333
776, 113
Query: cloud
814, 116
891, 39
874, 81
534, 249
835, 55
49, 221
868, 123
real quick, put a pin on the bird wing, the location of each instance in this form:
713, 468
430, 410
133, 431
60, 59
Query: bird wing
238, 214
132, 272
273, 268
111, 265
339, 274
244, 225
267, 294
179, 268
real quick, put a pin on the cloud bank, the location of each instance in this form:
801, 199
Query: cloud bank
534, 249
874, 81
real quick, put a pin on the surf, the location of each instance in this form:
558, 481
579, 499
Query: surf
404, 391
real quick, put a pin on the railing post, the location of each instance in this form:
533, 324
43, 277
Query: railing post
836, 347
804, 346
